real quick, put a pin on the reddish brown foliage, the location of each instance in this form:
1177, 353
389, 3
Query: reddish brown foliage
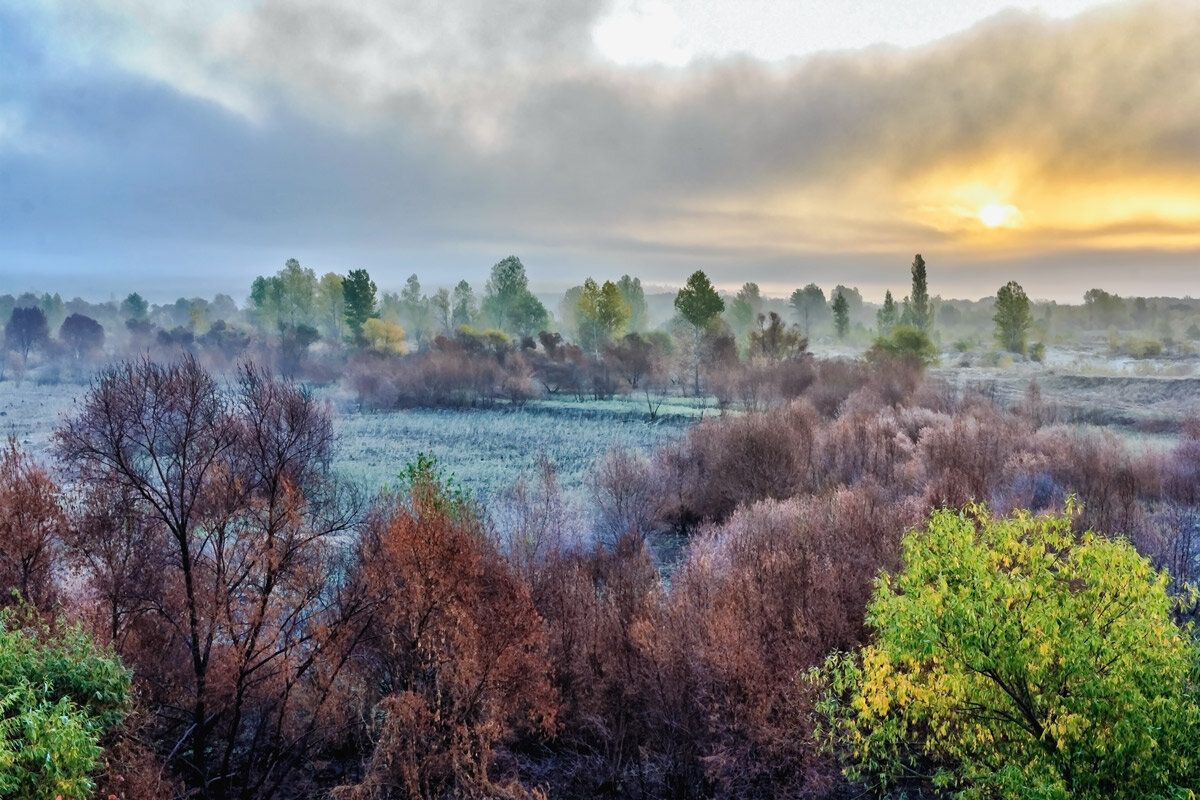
31, 527
453, 664
761, 599
213, 560
727, 462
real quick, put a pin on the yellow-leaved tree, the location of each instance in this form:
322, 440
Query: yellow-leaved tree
1014, 658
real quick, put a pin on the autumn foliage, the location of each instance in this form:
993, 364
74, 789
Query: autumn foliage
289, 638
452, 667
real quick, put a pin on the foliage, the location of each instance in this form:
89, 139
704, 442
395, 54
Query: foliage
285, 298
1014, 658
453, 664
634, 297
602, 313
211, 557
134, 307
773, 340
509, 303
26, 331
699, 304
59, 694
841, 315
82, 335
464, 311
1103, 308
905, 343
1012, 317
809, 304
888, 316
329, 306
31, 523
358, 297
745, 308
918, 312
383, 337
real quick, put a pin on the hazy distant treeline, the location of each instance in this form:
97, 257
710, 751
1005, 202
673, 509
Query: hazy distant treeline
466, 345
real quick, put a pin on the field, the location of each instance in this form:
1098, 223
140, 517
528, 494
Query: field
487, 450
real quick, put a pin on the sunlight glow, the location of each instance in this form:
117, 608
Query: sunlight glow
994, 215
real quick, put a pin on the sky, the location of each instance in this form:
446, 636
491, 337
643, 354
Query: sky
182, 148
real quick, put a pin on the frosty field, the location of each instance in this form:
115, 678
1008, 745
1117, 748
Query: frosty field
487, 450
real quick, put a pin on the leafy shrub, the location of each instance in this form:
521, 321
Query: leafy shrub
1015, 659
905, 343
1141, 348
59, 694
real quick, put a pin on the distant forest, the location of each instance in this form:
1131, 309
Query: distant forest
889, 585
463, 346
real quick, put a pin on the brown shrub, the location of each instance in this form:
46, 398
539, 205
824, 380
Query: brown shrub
31, 526
453, 664
760, 599
964, 457
724, 463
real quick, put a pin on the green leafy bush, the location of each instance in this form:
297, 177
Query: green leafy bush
58, 695
904, 342
1015, 659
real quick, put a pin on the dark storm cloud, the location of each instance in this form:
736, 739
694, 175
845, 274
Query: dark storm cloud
439, 137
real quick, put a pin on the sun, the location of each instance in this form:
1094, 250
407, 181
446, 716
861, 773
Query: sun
995, 215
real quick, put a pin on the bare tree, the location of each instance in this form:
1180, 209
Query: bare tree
233, 617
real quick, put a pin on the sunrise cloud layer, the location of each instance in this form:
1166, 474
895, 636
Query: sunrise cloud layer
150, 144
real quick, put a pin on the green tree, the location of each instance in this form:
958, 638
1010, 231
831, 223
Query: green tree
887, 317
59, 694
299, 287
745, 308
918, 312
358, 292
699, 304
1012, 317
414, 309
285, 298
1013, 658
465, 311
601, 313
1103, 308
905, 343
440, 311
810, 307
509, 304
266, 298
27, 330
329, 306
841, 314
528, 315
854, 298
635, 298
506, 286
134, 307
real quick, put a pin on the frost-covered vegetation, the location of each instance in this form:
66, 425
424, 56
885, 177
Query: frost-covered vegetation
290, 637
391, 555
487, 450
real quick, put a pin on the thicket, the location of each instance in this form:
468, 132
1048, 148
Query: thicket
289, 638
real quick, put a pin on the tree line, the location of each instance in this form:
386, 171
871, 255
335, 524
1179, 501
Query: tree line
323, 327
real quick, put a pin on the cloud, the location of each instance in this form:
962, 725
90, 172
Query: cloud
455, 130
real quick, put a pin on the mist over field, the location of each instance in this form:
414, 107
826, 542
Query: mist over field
605, 398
